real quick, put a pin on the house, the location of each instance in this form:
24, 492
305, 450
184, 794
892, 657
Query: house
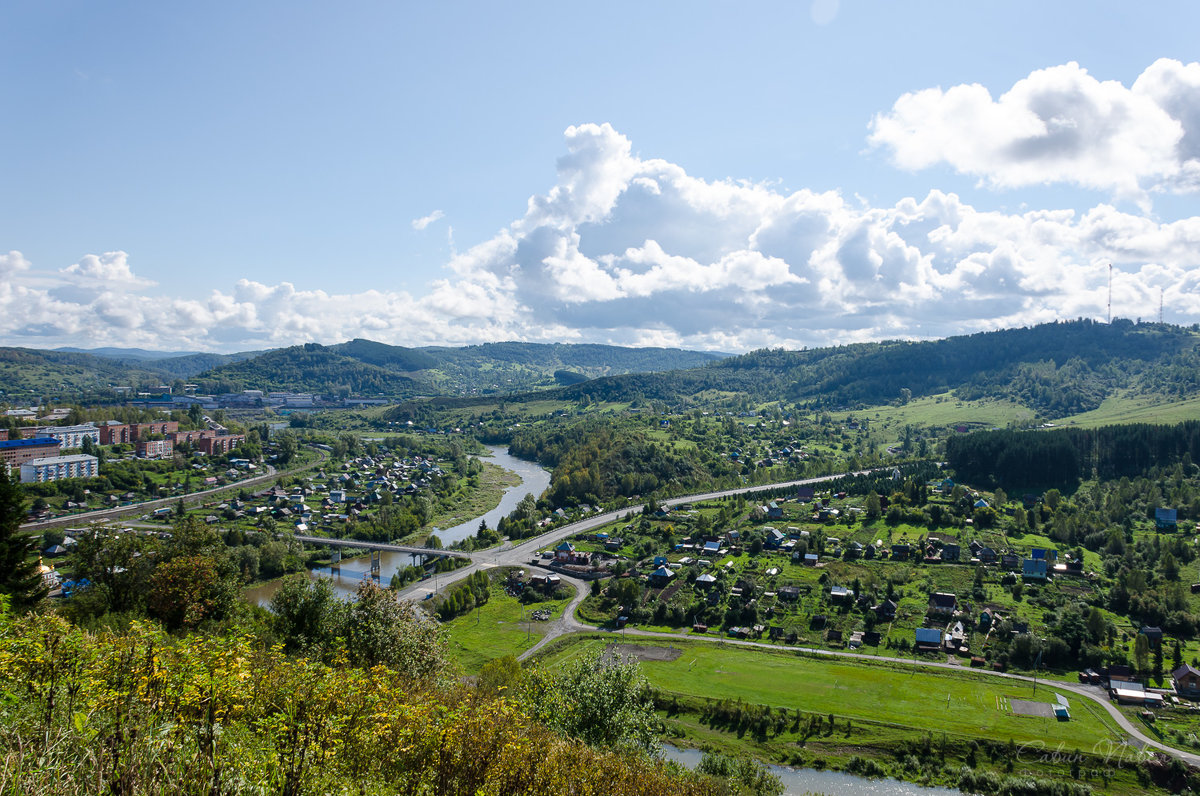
987, 555
886, 610
900, 552
613, 544
810, 559
712, 548
787, 592
1166, 519
774, 511
1119, 673
1186, 680
774, 539
950, 551
661, 577
1010, 561
833, 636
840, 593
804, 494
942, 603
1153, 635
928, 639
704, 581
566, 553
1034, 569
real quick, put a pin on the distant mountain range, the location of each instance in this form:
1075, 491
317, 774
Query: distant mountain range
357, 367
1056, 369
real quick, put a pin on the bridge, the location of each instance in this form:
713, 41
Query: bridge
381, 546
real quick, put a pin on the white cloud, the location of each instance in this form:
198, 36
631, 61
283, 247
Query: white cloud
108, 269
1057, 125
424, 221
636, 251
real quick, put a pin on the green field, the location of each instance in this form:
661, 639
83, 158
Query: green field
956, 703
942, 410
501, 627
1135, 409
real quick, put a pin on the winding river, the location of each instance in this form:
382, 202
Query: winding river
534, 479
799, 781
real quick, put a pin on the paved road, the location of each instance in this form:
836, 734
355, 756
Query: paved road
522, 554
1097, 695
149, 505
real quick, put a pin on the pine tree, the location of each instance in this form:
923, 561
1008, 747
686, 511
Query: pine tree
19, 576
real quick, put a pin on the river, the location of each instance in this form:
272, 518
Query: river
799, 781
534, 479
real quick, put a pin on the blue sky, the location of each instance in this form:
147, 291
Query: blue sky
229, 176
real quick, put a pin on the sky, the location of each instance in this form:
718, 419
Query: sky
236, 176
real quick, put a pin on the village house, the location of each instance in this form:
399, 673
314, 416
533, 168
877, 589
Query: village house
942, 604
928, 639
885, 611
1186, 680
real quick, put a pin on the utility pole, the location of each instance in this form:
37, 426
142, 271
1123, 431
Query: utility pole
1110, 292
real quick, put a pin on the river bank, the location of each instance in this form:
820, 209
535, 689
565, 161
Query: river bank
346, 578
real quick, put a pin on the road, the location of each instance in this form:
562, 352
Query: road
521, 554
149, 505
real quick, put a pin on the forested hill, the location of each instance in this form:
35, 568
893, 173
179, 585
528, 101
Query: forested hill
1056, 369
375, 368
308, 368
514, 367
31, 376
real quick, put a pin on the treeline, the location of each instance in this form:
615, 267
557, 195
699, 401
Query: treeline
465, 596
1063, 457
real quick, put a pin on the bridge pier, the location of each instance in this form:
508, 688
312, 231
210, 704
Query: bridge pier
376, 561
335, 560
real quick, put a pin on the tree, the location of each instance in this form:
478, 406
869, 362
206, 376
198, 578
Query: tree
1141, 652
874, 507
499, 674
382, 630
19, 574
309, 616
604, 702
189, 589
1158, 662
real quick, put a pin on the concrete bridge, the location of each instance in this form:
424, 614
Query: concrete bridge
381, 546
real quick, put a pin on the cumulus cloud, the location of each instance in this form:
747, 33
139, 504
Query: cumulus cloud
424, 221
635, 251
1057, 125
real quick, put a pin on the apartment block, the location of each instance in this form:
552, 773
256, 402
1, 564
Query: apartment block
56, 468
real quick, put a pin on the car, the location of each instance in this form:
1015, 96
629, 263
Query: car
428, 595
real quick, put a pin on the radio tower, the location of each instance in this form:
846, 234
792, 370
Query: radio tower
1160, 303
1110, 292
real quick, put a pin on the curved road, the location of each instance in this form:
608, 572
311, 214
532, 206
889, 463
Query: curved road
521, 554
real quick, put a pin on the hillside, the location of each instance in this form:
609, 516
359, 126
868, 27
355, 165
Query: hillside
307, 368
513, 367
395, 371
1056, 369
32, 376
